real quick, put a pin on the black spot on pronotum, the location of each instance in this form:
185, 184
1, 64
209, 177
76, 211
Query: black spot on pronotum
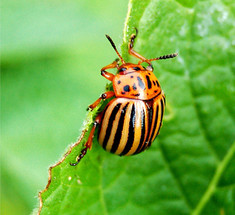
148, 82
136, 68
134, 87
126, 88
122, 93
141, 83
119, 82
137, 94
132, 76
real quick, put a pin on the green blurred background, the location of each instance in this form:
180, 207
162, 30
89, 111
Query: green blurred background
51, 55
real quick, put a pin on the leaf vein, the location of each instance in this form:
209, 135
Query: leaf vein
215, 179
174, 175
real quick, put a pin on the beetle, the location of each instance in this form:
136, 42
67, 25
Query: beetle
131, 120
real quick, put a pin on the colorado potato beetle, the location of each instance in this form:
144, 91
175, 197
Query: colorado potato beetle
132, 119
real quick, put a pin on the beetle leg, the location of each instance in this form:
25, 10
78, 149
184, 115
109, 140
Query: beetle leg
134, 53
103, 96
88, 144
114, 64
108, 75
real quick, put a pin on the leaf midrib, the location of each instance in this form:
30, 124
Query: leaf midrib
215, 179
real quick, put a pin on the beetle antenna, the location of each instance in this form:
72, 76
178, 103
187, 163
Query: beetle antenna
113, 45
165, 57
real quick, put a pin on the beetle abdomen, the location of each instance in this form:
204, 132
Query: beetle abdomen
129, 126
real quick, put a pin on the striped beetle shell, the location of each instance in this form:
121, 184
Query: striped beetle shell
129, 126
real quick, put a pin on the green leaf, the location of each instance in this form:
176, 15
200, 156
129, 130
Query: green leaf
190, 167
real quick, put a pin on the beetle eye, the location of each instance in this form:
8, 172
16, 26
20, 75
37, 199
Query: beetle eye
122, 69
136, 68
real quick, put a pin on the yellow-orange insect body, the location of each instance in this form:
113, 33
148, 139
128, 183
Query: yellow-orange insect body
132, 119
129, 126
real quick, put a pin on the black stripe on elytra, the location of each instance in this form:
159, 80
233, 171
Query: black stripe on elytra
142, 131
162, 110
118, 134
131, 133
150, 119
110, 124
155, 124
148, 82
164, 100
103, 114
141, 83
158, 94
